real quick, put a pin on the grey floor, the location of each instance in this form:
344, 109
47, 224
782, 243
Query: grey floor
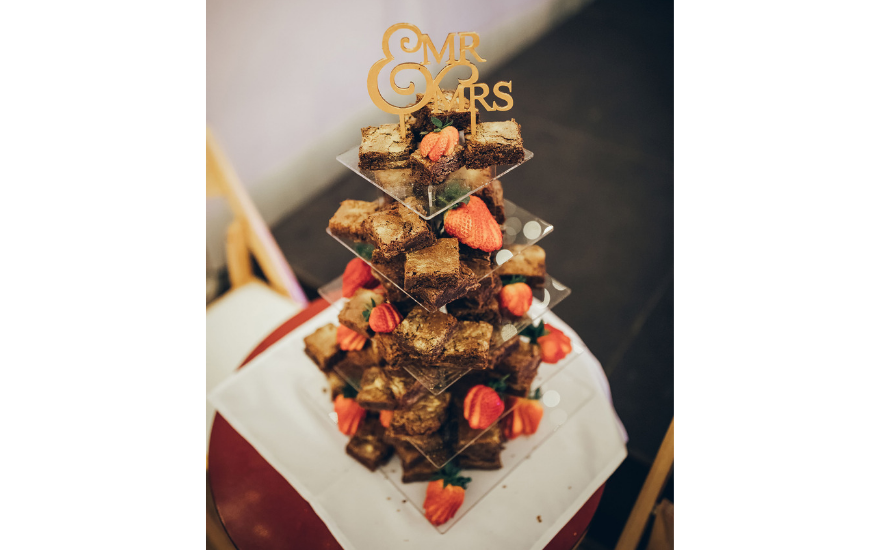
595, 101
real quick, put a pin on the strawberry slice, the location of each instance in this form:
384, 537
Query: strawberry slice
555, 345
516, 298
473, 225
482, 407
445, 494
525, 417
349, 414
357, 274
348, 339
384, 318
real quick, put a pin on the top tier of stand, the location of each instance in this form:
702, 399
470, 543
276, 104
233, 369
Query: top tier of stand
431, 200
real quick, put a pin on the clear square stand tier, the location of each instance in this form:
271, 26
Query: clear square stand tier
428, 201
438, 379
564, 392
521, 229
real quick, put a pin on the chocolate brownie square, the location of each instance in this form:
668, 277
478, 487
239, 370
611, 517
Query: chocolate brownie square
352, 314
422, 334
439, 297
502, 345
521, 366
442, 108
427, 172
375, 393
493, 195
528, 261
490, 282
494, 143
389, 271
432, 267
397, 230
368, 445
485, 452
470, 310
322, 348
353, 364
468, 347
388, 349
408, 454
349, 219
424, 417
382, 147
432, 443
421, 470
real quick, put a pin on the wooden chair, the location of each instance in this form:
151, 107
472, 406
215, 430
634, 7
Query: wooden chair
645, 504
251, 309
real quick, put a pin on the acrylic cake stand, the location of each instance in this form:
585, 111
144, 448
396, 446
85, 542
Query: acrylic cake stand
438, 379
562, 394
436, 198
520, 229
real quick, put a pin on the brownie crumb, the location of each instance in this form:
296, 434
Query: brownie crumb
504, 486
389, 498
539, 519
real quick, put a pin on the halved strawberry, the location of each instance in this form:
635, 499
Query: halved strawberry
384, 318
555, 345
357, 274
445, 494
473, 225
525, 416
385, 418
516, 298
349, 414
482, 407
348, 339
440, 141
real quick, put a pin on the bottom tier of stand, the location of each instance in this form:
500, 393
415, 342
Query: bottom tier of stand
563, 394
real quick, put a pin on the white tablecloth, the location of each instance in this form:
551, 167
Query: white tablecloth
264, 403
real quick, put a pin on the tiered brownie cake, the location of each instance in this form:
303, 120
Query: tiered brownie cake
432, 298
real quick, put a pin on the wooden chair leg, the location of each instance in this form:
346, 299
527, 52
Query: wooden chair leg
635, 525
238, 259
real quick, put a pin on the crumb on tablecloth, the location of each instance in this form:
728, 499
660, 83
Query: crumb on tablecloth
539, 519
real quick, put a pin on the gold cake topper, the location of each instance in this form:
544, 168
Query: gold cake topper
478, 91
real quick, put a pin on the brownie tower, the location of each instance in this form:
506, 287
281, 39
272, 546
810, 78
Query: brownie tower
438, 342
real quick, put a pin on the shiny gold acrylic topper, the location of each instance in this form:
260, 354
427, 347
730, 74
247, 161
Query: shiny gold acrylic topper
477, 91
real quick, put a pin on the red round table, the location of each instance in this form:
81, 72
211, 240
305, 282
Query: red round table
261, 510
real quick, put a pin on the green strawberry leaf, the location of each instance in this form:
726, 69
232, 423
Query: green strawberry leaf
450, 476
533, 332
369, 310
349, 392
500, 386
364, 250
512, 279
451, 192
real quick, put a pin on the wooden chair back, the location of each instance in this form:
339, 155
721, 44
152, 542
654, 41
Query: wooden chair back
247, 234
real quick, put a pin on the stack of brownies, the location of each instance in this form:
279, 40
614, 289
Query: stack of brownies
459, 329
490, 144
